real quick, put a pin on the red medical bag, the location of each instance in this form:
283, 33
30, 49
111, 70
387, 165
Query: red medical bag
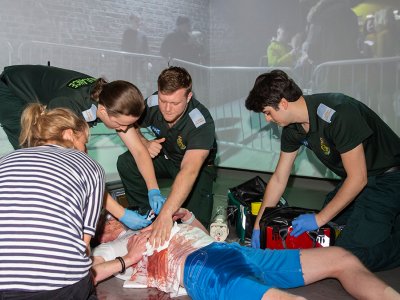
276, 225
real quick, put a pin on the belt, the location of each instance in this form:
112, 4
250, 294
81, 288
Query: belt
392, 169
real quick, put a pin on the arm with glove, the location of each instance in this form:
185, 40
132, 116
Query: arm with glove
181, 188
129, 218
355, 166
275, 188
156, 200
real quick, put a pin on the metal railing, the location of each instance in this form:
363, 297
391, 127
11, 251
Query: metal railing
375, 82
223, 90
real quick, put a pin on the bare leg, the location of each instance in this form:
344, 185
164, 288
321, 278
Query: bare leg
275, 294
335, 262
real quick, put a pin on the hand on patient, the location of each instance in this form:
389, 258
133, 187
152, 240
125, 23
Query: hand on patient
134, 220
303, 223
136, 247
161, 229
154, 147
156, 200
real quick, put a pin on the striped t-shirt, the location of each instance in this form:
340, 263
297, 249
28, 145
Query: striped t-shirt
49, 197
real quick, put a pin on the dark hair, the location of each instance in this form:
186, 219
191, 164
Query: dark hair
40, 126
122, 98
270, 88
96, 88
173, 79
182, 20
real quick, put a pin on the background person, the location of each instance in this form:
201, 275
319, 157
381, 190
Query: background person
117, 104
327, 37
280, 51
133, 40
51, 193
210, 270
387, 33
353, 142
181, 43
184, 149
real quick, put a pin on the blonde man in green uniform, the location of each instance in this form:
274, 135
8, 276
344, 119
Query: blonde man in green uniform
352, 141
117, 104
184, 150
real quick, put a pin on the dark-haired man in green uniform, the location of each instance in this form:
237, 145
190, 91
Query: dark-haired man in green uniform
184, 150
118, 104
352, 141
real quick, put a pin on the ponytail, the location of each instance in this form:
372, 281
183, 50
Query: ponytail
40, 126
97, 88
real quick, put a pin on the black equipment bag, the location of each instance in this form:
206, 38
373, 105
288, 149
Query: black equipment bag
239, 199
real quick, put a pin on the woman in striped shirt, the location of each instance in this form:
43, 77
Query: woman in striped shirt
51, 194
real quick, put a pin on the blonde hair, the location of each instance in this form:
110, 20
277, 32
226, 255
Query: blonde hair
40, 126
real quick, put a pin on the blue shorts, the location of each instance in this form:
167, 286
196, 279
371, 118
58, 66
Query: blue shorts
231, 271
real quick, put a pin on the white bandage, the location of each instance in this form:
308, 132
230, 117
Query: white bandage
190, 220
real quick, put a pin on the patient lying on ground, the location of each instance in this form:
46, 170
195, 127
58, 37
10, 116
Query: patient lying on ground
211, 270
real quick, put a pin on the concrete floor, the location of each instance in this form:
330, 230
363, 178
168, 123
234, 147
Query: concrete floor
303, 192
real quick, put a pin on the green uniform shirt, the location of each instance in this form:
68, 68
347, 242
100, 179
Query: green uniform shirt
339, 123
194, 130
54, 87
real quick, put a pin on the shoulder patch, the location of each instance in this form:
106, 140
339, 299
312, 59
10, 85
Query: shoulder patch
152, 101
90, 114
197, 118
325, 112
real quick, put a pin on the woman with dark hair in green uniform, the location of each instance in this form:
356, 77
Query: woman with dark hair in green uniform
352, 141
118, 104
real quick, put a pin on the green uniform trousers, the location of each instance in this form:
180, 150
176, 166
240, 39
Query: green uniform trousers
200, 201
372, 230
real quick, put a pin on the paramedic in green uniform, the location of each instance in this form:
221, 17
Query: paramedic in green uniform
353, 142
184, 149
117, 104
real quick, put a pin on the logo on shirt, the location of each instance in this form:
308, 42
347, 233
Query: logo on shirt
324, 147
305, 142
155, 130
180, 143
77, 83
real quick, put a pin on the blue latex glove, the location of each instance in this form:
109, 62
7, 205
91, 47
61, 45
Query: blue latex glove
156, 200
303, 223
255, 239
134, 220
